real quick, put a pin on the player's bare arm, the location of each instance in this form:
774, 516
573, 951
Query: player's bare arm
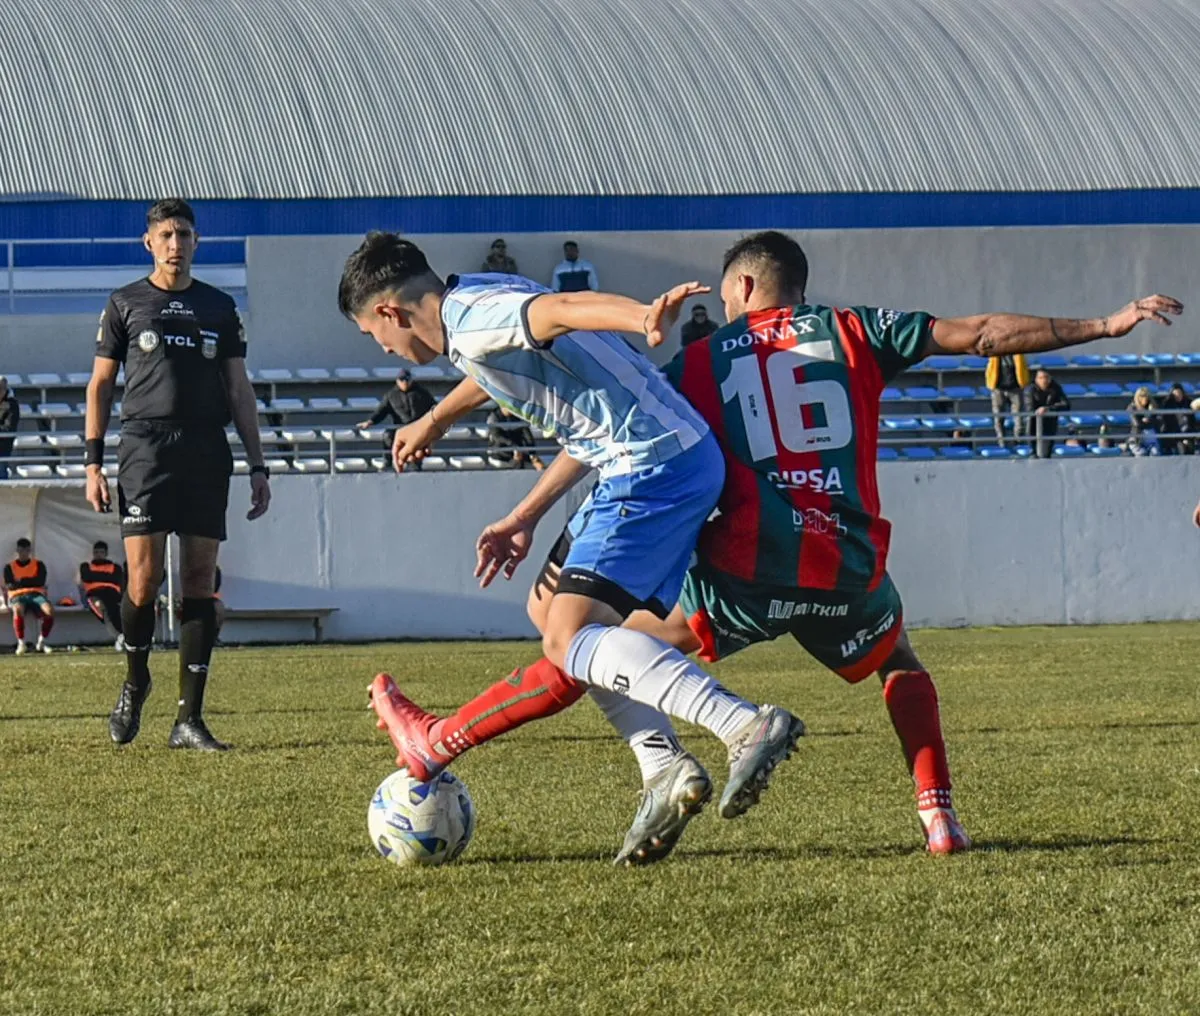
413, 440
1007, 334
244, 410
99, 405
505, 544
555, 314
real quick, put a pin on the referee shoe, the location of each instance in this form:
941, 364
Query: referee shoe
125, 720
193, 734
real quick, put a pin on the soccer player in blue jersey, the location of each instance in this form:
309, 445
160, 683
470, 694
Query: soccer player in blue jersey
553, 360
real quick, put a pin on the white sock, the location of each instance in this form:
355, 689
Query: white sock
651, 672
647, 731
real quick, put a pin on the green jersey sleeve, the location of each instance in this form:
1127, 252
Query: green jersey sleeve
897, 337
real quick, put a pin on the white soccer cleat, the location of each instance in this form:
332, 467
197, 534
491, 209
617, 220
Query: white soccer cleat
669, 802
22, 648
756, 749
42, 647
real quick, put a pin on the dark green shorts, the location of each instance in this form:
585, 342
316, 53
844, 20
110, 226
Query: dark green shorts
27, 601
851, 636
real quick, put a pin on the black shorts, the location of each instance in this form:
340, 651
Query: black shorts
173, 479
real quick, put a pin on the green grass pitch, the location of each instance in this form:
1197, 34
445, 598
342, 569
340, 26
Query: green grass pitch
141, 881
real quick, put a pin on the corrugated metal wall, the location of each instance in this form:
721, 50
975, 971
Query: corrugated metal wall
357, 98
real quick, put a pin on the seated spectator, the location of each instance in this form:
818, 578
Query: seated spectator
10, 416
508, 435
498, 260
1006, 378
406, 402
1144, 424
25, 592
573, 274
1045, 398
1178, 423
701, 326
101, 583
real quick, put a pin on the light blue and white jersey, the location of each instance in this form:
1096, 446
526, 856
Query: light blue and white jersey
601, 399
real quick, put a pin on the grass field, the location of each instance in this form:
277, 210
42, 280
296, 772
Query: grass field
141, 881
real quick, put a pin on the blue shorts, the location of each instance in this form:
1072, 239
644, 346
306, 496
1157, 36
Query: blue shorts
632, 540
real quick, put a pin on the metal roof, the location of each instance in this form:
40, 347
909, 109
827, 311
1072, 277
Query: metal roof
355, 98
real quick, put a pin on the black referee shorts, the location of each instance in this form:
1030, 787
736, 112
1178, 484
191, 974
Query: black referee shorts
173, 479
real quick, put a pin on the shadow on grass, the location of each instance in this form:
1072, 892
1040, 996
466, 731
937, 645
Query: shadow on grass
1061, 845
684, 855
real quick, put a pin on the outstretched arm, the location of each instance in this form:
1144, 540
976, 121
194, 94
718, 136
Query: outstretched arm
414, 440
554, 314
1006, 334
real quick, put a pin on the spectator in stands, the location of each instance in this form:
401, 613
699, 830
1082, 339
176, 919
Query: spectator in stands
25, 592
573, 274
1007, 377
1144, 424
498, 260
508, 436
1177, 421
1045, 398
701, 326
10, 416
101, 583
406, 402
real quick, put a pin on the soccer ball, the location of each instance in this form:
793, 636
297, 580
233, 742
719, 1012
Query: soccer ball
421, 823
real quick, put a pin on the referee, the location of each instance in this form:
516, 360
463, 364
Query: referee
184, 350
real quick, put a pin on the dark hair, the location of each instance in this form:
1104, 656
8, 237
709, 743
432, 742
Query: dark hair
169, 208
98, 544
23, 542
772, 253
383, 263
571, 243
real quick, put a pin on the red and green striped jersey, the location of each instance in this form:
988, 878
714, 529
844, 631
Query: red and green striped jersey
792, 395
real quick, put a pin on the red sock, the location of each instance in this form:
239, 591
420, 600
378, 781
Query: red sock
529, 693
19, 624
913, 706
47, 624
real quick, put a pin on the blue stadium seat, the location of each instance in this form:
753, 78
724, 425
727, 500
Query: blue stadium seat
919, 452
959, 392
1087, 419
1074, 391
891, 395
899, 423
887, 454
1050, 361
1023, 451
924, 393
939, 422
1123, 359
974, 362
994, 452
1132, 386
1158, 359
1118, 419
1107, 388
956, 452
1068, 451
1188, 359
942, 363
1108, 453
976, 422
1087, 361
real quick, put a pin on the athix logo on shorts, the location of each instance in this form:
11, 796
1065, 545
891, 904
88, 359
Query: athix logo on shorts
148, 341
813, 520
809, 479
865, 636
135, 517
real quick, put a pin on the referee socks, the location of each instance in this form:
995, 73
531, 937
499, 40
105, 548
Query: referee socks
197, 633
138, 625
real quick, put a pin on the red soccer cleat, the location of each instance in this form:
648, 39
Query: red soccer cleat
409, 726
944, 833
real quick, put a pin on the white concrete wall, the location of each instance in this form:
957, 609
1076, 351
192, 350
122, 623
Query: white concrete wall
292, 317
981, 543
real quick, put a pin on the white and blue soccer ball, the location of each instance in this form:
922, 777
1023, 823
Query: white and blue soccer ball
421, 823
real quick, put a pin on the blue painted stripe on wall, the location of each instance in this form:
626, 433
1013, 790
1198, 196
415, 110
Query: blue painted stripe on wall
42, 219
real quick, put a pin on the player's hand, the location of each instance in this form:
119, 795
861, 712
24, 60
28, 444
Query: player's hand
1148, 308
362, 425
98, 495
664, 311
413, 441
260, 496
501, 547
